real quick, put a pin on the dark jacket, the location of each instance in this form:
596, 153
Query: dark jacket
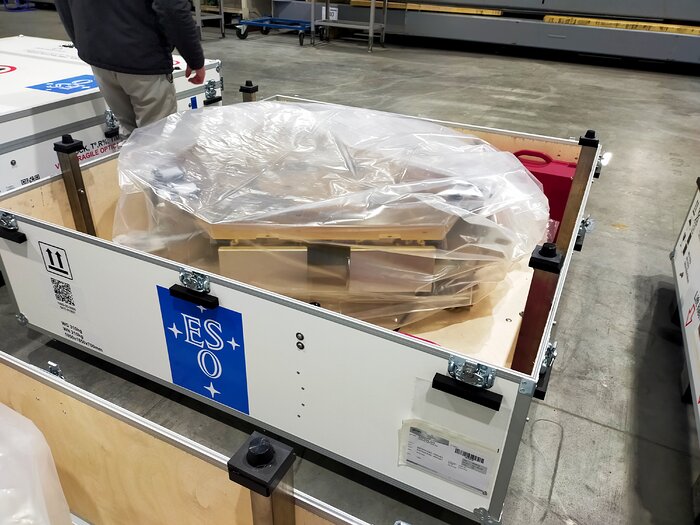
132, 36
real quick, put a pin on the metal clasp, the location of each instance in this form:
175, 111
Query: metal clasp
195, 281
478, 375
210, 88
549, 356
8, 221
110, 120
55, 369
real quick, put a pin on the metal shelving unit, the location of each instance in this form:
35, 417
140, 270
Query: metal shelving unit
370, 27
200, 18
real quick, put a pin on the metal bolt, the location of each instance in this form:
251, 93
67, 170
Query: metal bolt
300, 336
300, 345
13, 162
21, 319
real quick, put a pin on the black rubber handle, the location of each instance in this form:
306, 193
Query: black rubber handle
543, 383
471, 393
13, 235
199, 298
211, 101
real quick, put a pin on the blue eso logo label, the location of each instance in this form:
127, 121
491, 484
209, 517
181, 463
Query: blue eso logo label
206, 350
66, 86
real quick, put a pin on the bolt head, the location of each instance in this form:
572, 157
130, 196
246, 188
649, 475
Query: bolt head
260, 452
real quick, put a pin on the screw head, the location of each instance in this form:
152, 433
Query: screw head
300, 345
300, 336
13, 162
260, 452
549, 249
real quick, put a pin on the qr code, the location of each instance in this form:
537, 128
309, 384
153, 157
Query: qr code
63, 292
28, 180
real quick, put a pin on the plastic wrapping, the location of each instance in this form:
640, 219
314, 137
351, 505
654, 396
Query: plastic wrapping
382, 217
30, 492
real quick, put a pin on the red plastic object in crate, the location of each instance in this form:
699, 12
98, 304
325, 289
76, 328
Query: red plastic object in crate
556, 177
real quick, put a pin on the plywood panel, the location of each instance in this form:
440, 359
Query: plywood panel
113, 473
47, 202
513, 143
102, 185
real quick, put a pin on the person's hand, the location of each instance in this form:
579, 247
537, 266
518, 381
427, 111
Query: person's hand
198, 77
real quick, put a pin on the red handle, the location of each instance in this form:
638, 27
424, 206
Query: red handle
531, 153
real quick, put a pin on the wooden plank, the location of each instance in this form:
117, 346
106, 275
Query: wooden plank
488, 330
114, 473
48, 202
513, 143
633, 25
102, 186
432, 8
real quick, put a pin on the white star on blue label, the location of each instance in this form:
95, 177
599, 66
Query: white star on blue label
206, 350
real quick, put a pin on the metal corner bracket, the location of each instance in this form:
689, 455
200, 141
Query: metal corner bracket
474, 374
527, 387
486, 519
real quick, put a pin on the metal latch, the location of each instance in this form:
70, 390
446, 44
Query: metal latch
9, 229
55, 369
549, 356
210, 88
111, 124
8, 221
478, 375
195, 281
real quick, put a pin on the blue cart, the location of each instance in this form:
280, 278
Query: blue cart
266, 23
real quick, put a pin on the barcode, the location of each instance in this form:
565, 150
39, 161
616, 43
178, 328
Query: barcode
63, 292
470, 456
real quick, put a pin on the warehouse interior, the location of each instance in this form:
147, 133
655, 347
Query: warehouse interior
612, 443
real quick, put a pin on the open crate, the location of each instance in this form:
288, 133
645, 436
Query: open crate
358, 393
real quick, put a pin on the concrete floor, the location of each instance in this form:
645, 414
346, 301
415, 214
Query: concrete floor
612, 444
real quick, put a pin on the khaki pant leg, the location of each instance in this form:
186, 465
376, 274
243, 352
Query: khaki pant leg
117, 99
152, 96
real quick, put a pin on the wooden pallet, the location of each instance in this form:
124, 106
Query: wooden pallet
432, 8
624, 24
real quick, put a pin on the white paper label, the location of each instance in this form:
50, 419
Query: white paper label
458, 462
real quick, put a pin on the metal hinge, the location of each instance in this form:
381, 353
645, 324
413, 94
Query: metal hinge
8, 221
549, 356
485, 518
55, 369
210, 88
478, 375
195, 281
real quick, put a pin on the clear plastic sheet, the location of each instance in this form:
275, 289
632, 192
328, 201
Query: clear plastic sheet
30, 492
382, 217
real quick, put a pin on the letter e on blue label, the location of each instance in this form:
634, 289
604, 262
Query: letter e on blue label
206, 350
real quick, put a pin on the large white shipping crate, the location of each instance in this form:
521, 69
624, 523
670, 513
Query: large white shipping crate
46, 91
437, 414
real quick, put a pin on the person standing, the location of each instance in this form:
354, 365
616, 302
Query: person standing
129, 45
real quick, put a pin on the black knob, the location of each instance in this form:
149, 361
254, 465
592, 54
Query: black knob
67, 139
590, 134
549, 249
260, 452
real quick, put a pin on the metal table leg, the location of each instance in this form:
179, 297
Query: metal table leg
372, 8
